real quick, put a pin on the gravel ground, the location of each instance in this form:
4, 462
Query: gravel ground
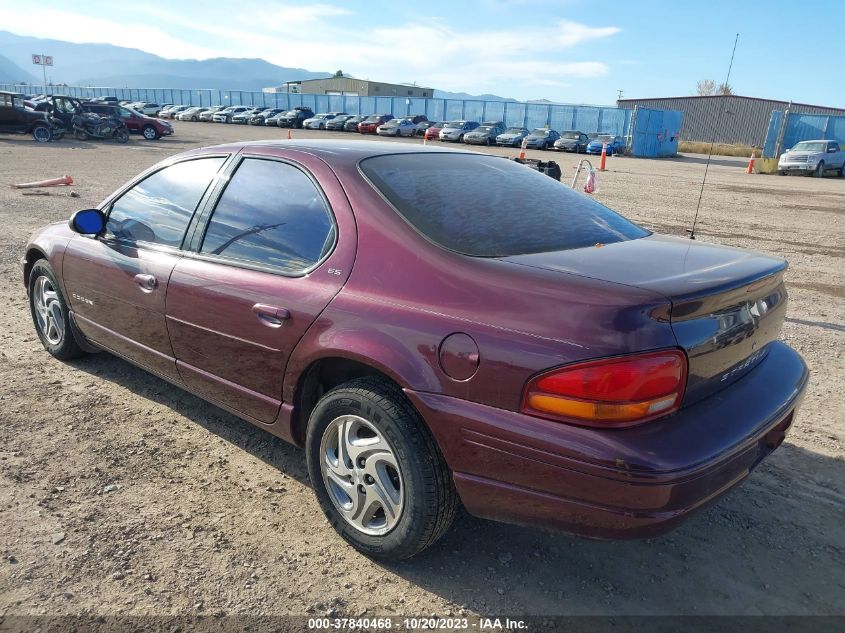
120, 494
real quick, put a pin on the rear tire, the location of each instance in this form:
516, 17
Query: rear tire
50, 313
368, 426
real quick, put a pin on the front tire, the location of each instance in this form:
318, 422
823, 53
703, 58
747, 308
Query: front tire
42, 133
819, 172
150, 133
377, 472
50, 313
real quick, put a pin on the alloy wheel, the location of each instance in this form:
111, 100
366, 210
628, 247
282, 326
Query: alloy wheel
42, 134
48, 311
362, 475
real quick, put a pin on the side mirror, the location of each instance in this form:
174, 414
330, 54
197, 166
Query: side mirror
88, 222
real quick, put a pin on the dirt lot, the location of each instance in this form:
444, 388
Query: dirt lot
120, 494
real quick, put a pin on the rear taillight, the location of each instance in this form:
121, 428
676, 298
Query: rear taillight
612, 392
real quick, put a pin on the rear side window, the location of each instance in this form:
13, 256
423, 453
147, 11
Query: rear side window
158, 209
270, 214
487, 206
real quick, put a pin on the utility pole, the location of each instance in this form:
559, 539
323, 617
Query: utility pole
618, 94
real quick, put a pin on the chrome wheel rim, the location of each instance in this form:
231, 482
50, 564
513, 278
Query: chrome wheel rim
48, 311
362, 475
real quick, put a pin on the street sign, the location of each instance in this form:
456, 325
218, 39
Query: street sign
48, 60
36, 59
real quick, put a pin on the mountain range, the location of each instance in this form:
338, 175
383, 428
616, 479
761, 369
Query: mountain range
120, 67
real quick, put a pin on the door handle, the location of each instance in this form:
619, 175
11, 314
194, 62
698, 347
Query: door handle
148, 283
271, 316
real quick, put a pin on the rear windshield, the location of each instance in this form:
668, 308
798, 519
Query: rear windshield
486, 206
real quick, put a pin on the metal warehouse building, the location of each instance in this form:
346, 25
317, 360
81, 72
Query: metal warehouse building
744, 120
357, 88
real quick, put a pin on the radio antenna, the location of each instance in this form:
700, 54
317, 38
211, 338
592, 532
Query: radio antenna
713, 141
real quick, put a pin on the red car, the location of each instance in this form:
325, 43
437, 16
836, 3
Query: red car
371, 123
433, 132
560, 367
149, 127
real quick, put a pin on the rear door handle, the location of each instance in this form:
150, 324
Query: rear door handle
148, 283
271, 316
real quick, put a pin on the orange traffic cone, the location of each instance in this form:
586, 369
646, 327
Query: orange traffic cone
603, 156
750, 169
290, 136
522, 150
52, 182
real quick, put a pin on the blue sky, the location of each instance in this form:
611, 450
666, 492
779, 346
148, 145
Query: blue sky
576, 51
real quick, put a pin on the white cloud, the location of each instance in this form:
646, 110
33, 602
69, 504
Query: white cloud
322, 37
572, 33
82, 29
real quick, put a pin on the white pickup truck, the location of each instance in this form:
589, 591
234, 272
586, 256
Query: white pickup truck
813, 157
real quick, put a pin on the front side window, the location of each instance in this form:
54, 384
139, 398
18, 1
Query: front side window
271, 214
465, 203
158, 209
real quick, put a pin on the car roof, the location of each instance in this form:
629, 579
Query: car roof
338, 153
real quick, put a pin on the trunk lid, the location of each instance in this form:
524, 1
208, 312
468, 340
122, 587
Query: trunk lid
727, 304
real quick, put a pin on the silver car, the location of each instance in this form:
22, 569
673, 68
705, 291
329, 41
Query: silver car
455, 130
191, 114
318, 121
512, 137
225, 115
397, 127
209, 113
484, 134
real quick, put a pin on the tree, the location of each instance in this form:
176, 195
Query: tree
725, 89
339, 73
706, 87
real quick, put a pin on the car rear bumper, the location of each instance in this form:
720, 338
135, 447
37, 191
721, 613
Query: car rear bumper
623, 483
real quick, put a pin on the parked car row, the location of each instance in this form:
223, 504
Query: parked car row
496, 133
459, 131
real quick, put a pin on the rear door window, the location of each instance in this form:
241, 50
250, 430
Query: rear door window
271, 214
487, 206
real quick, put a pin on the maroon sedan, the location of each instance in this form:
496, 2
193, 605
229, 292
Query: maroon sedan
371, 123
149, 127
432, 326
